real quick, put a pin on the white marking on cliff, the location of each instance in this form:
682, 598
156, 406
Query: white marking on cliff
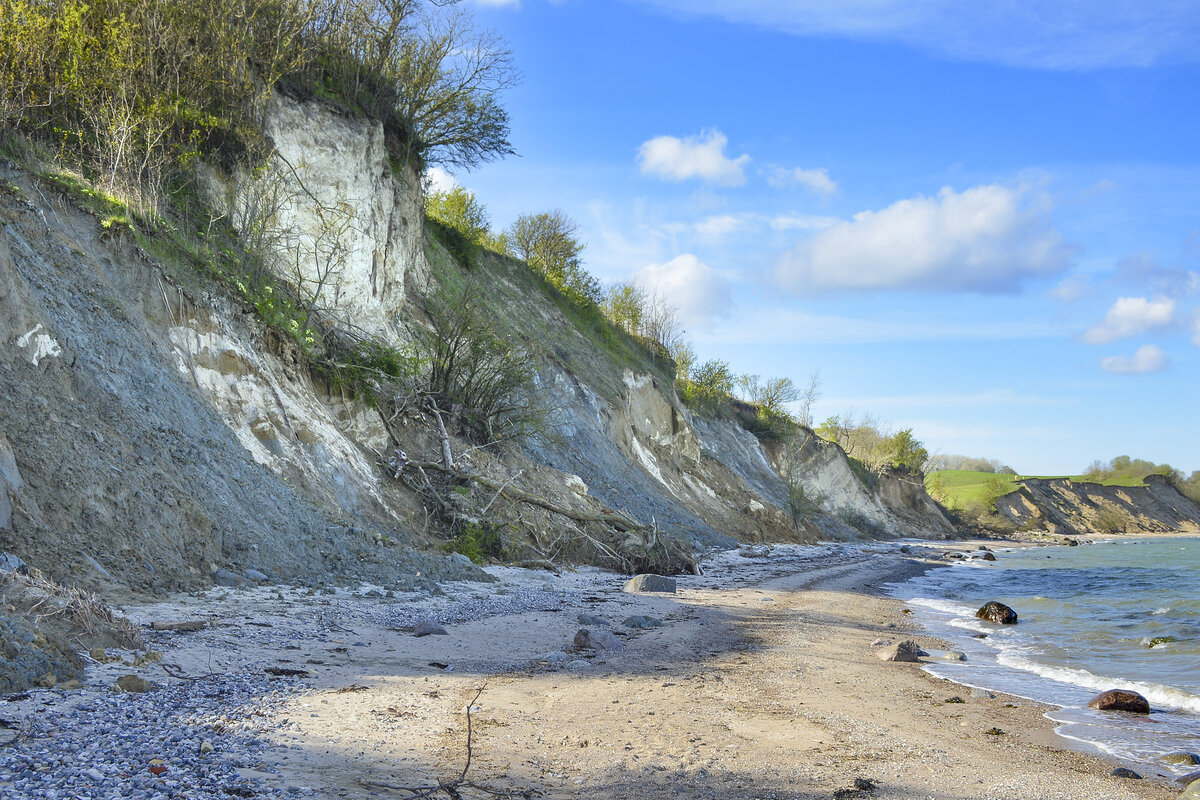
647, 459
43, 345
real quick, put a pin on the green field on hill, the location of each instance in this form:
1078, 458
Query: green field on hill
960, 488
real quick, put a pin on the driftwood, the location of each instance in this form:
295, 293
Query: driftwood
451, 787
614, 519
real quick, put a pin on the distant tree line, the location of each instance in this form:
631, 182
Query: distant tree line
1138, 468
941, 461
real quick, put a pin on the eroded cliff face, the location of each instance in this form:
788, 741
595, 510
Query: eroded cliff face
343, 215
1066, 507
149, 437
155, 433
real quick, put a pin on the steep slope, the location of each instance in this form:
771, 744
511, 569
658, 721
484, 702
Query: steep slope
1069, 507
157, 433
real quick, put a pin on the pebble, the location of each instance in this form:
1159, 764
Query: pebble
107, 746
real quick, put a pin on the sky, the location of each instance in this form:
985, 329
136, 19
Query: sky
979, 220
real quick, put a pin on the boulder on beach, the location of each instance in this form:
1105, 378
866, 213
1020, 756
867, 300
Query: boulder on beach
906, 651
1120, 700
997, 612
650, 583
428, 627
596, 640
1192, 792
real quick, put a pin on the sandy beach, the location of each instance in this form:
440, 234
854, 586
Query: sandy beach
761, 682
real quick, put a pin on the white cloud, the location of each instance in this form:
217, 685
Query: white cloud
815, 180
1072, 288
699, 292
723, 225
1130, 316
1024, 33
438, 180
802, 222
701, 157
987, 239
1148, 358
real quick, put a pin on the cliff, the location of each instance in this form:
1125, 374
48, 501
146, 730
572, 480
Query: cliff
1071, 508
157, 435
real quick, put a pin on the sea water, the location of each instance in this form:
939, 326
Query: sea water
1112, 614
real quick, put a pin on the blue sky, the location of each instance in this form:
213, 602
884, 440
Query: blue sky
980, 221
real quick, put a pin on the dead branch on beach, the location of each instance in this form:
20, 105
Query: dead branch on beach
452, 788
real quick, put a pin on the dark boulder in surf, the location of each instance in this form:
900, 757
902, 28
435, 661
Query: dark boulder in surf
997, 612
1120, 700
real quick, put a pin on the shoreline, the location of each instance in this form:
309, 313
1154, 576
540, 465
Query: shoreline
761, 681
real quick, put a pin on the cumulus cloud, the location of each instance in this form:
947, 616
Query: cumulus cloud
986, 239
699, 292
1148, 358
1022, 33
701, 157
438, 180
815, 180
1130, 316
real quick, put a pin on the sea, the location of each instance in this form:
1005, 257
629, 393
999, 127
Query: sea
1119, 614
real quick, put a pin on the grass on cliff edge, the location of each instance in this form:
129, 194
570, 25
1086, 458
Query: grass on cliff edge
962, 488
532, 310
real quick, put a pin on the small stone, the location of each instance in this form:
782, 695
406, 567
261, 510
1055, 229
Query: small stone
954, 699
429, 628
994, 732
255, 575
642, 622
997, 612
70, 686
650, 583
206, 747
553, 657
906, 651
1125, 772
982, 694
592, 620
47, 681
1120, 700
600, 640
461, 560
953, 655
880, 642
135, 684
94, 774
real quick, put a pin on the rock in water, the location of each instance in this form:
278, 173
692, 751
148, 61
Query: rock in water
650, 583
428, 628
997, 612
988, 556
904, 651
1120, 700
1182, 759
